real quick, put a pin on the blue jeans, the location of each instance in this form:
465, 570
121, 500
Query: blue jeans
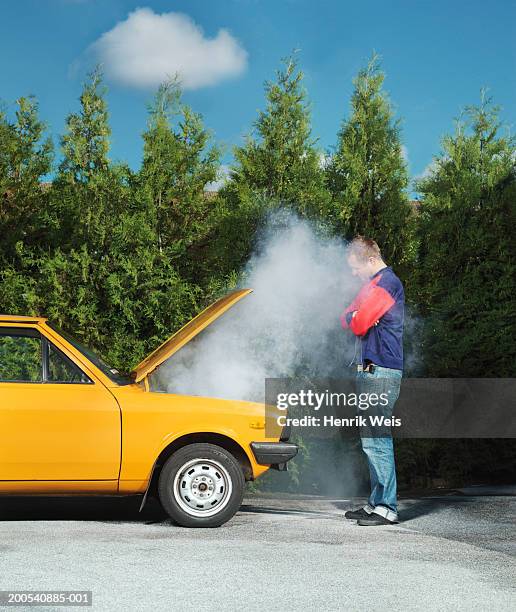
380, 450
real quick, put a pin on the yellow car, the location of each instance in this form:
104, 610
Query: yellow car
70, 424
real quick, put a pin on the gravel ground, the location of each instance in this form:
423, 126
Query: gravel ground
452, 552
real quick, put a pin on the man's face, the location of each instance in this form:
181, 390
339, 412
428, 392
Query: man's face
362, 269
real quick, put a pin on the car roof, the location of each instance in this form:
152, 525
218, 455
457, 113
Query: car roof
5, 318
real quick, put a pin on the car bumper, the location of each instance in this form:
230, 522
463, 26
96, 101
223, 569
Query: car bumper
275, 454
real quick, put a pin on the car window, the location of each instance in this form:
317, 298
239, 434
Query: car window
110, 372
62, 370
26, 356
20, 358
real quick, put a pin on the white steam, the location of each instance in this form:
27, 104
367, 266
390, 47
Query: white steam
289, 326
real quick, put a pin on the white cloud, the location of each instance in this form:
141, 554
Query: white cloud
148, 48
404, 153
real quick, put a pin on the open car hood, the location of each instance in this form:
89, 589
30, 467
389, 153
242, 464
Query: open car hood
186, 333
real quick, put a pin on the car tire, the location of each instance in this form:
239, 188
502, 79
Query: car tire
201, 485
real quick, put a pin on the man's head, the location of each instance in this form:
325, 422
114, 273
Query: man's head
364, 257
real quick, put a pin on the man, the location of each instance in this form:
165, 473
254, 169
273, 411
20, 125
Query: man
376, 317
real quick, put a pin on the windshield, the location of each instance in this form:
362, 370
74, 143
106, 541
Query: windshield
112, 373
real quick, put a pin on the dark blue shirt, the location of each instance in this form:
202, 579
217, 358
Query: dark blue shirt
382, 299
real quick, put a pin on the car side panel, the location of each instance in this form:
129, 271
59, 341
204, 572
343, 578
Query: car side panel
53, 432
59, 487
151, 421
58, 432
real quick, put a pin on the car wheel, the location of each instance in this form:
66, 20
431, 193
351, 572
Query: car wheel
201, 485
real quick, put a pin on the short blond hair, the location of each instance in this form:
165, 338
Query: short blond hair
363, 248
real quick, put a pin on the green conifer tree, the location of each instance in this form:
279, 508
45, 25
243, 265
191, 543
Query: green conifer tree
367, 174
279, 165
25, 158
89, 192
283, 165
178, 163
466, 271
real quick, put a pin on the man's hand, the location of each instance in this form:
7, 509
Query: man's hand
355, 312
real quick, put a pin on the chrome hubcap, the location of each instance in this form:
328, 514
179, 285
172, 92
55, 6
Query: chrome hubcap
202, 487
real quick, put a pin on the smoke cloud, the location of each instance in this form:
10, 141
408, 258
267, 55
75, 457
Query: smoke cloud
288, 327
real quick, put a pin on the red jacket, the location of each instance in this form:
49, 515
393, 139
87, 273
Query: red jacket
382, 299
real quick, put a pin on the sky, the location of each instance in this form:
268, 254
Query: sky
436, 55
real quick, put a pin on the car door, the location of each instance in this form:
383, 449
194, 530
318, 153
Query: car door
57, 423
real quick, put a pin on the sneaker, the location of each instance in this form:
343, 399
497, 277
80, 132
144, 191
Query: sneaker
357, 514
373, 520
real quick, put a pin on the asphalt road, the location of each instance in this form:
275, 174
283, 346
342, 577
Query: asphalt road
453, 552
